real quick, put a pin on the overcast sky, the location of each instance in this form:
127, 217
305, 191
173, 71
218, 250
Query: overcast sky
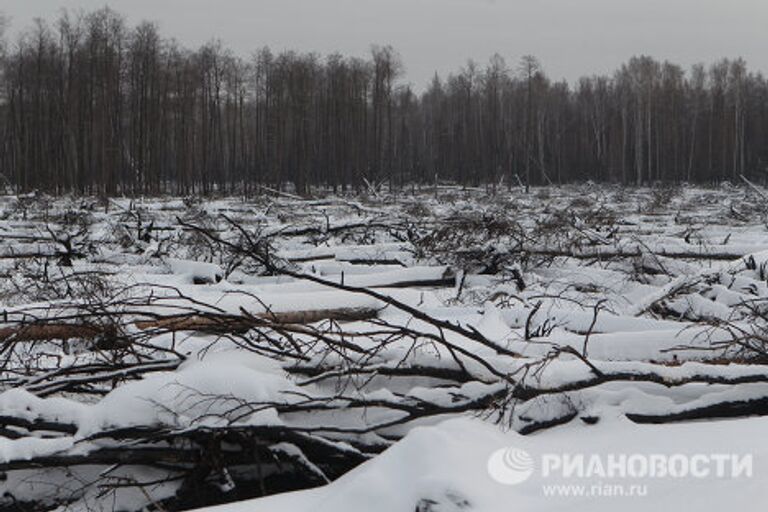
571, 37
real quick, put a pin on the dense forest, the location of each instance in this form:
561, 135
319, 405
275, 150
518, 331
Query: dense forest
89, 104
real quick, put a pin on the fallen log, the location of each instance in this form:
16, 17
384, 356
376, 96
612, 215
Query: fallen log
73, 378
231, 446
754, 188
318, 373
246, 322
37, 425
40, 255
331, 230
729, 409
610, 253
42, 330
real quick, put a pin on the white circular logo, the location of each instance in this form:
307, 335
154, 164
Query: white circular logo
510, 466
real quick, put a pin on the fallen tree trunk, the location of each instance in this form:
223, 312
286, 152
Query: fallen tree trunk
603, 252
182, 450
40, 255
245, 322
43, 330
729, 409
74, 378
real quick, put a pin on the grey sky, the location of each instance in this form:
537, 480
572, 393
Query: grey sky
571, 37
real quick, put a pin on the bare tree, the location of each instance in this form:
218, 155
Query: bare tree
94, 106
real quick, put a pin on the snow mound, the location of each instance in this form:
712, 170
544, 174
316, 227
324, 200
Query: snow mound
444, 468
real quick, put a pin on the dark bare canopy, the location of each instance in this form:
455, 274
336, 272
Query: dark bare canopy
89, 104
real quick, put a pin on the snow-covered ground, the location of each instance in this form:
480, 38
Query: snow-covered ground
445, 468
378, 351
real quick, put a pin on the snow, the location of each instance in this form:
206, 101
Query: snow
178, 398
224, 387
207, 272
27, 449
648, 313
447, 464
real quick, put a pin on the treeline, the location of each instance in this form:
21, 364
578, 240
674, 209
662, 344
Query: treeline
91, 105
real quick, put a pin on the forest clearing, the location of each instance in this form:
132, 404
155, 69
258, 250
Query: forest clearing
172, 353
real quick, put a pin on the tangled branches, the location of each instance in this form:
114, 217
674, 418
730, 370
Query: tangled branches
251, 371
